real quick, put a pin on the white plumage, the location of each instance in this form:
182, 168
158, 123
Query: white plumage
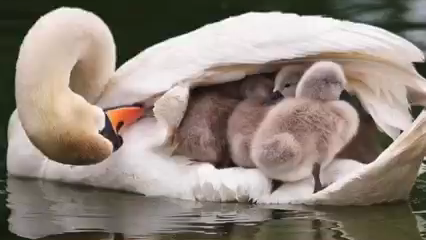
378, 65
230, 49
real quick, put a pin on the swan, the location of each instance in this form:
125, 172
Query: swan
378, 65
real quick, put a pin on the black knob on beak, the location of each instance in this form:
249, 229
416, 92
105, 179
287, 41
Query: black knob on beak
109, 133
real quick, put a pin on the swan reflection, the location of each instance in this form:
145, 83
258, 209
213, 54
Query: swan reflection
47, 210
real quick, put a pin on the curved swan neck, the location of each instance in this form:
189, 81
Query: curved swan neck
65, 60
69, 48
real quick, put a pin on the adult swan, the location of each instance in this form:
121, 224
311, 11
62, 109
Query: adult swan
72, 47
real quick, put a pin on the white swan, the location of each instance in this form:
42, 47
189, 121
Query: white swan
378, 65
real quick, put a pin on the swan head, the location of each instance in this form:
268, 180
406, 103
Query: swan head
324, 80
79, 134
64, 64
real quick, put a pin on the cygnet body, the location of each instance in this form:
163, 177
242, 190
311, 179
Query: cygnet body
246, 117
364, 147
201, 135
260, 94
300, 135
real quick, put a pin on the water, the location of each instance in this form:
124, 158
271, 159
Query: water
44, 208
34, 209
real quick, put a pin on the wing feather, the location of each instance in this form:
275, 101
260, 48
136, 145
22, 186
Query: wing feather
257, 38
208, 54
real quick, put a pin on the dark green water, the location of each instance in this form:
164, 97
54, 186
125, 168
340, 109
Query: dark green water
34, 209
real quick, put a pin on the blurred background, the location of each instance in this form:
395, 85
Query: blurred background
137, 25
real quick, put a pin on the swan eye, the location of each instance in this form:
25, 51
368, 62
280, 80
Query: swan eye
287, 85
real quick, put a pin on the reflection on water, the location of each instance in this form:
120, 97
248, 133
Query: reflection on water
53, 211
44, 209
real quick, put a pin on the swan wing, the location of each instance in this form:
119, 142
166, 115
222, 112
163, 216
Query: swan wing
257, 41
359, 184
399, 163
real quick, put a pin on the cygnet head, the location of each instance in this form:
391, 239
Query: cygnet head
324, 80
287, 79
256, 87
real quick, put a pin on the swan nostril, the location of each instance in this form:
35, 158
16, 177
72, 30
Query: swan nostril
119, 126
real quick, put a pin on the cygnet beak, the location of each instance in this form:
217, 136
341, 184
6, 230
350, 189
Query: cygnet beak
276, 95
118, 117
345, 96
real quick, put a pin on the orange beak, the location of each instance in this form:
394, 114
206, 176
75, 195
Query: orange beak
124, 115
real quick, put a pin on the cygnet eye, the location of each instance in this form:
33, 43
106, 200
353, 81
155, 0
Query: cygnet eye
287, 85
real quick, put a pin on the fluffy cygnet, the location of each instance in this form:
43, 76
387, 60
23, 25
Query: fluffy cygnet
364, 147
300, 135
287, 79
201, 134
246, 117
259, 94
